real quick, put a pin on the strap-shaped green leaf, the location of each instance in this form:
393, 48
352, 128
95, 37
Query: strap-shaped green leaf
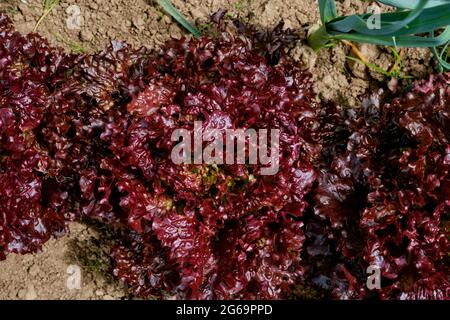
409, 41
358, 24
167, 5
328, 10
413, 25
443, 61
430, 19
411, 4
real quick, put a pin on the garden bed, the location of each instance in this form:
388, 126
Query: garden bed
44, 275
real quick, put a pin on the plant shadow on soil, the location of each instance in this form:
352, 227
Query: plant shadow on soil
92, 254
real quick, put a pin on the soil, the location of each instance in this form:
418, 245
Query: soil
48, 274
143, 23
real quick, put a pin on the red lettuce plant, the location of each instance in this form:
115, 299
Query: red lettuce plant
202, 231
33, 194
383, 192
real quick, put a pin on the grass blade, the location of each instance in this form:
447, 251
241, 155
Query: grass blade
49, 5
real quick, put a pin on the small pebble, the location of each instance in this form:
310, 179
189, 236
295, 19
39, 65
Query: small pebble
86, 35
31, 293
34, 270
